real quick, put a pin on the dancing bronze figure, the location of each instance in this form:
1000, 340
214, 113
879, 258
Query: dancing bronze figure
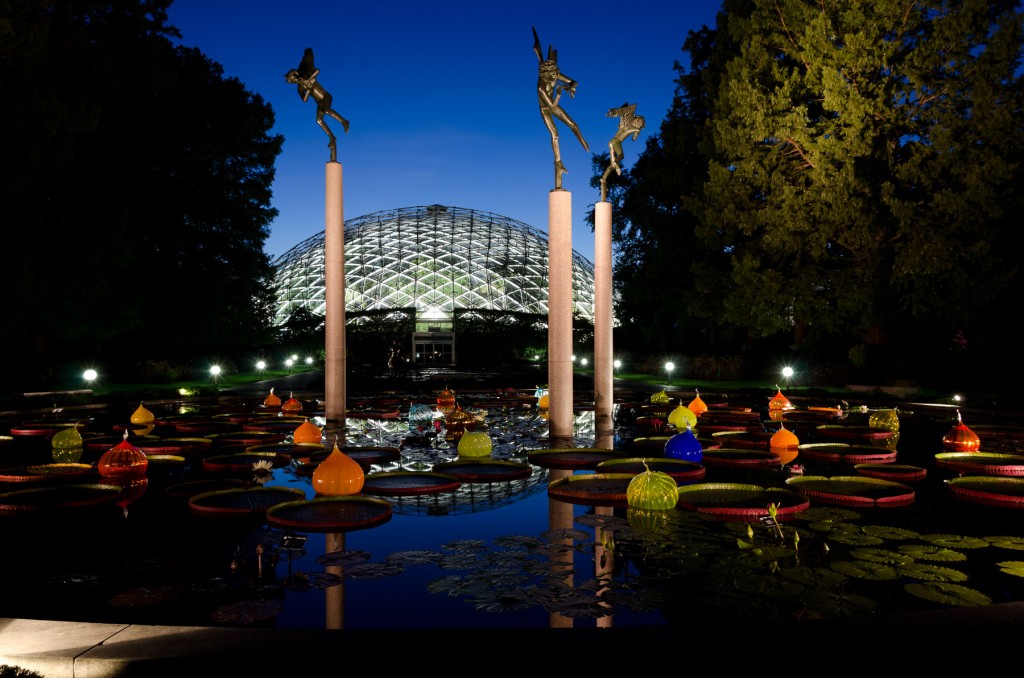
630, 125
305, 78
550, 84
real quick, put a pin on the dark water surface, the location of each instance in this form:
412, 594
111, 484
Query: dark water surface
504, 554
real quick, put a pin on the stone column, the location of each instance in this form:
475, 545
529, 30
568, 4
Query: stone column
604, 379
560, 388
334, 295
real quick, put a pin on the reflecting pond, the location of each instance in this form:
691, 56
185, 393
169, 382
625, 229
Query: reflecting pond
861, 521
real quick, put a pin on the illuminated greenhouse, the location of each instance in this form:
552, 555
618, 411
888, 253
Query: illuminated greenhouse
434, 266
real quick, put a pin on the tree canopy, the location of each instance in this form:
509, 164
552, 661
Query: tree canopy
841, 178
136, 183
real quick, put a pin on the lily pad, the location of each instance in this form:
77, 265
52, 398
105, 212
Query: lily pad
947, 594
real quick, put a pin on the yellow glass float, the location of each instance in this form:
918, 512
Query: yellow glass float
888, 419
682, 417
660, 398
475, 444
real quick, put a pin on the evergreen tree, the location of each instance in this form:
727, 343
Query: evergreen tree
861, 163
136, 182
862, 177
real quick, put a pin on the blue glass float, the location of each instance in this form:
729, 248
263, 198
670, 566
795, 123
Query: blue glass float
684, 446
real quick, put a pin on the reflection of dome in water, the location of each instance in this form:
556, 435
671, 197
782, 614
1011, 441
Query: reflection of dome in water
472, 497
435, 259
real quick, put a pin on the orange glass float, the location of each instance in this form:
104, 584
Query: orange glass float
123, 460
272, 400
291, 406
697, 406
961, 438
784, 444
307, 432
338, 474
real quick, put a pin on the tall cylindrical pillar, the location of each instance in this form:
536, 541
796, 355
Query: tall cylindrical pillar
604, 379
334, 296
560, 391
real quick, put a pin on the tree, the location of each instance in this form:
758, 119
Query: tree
862, 165
136, 183
862, 174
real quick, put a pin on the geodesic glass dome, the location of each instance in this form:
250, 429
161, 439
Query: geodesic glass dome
435, 259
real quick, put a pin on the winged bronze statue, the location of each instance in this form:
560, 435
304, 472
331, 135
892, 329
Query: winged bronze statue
304, 77
550, 84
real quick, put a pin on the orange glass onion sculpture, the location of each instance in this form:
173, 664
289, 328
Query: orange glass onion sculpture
784, 444
338, 474
960, 438
307, 432
123, 460
697, 406
272, 400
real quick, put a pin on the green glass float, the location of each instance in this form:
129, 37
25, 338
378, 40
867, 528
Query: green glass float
652, 490
67, 445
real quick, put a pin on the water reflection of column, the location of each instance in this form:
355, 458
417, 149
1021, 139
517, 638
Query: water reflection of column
604, 559
560, 517
335, 594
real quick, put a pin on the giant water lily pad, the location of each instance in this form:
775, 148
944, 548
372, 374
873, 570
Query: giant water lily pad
242, 502
988, 490
982, 463
592, 489
572, 458
43, 472
853, 490
342, 513
741, 500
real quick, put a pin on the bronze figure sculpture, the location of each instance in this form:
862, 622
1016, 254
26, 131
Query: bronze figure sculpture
550, 84
305, 78
630, 125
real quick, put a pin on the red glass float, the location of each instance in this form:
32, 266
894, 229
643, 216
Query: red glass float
446, 401
960, 438
779, 402
457, 422
123, 460
291, 406
338, 474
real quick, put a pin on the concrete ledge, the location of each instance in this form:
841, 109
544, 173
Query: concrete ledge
55, 649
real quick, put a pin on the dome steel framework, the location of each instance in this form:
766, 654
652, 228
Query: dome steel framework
435, 259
